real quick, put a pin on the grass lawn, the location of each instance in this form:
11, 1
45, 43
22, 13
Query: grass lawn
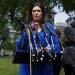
6, 66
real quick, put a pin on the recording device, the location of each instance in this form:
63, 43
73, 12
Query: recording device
70, 34
69, 52
69, 55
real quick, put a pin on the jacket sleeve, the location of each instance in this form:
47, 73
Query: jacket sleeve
19, 42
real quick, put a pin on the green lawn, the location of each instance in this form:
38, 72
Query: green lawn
6, 66
62, 72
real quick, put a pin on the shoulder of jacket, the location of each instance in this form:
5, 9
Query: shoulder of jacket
49, 24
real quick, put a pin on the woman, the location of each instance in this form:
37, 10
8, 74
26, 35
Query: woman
36, 19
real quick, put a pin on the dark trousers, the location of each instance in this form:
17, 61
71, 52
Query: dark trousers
68, 69
57, 65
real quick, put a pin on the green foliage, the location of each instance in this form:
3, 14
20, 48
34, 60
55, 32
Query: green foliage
23, 6
16, 26
68, 5
8, 45
2, 24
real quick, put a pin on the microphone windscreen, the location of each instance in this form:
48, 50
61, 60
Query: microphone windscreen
69, 55
69, 33
73, 24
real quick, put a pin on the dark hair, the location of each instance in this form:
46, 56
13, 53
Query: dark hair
58, 32
42, 8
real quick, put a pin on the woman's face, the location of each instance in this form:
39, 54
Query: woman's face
36, 13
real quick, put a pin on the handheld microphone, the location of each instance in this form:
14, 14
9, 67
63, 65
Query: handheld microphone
70, 34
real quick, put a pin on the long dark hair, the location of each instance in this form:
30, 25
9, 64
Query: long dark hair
30, 12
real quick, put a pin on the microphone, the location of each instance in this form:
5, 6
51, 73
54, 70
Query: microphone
69, 33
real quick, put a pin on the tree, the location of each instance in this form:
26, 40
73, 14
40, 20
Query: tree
68, 5
22, 6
